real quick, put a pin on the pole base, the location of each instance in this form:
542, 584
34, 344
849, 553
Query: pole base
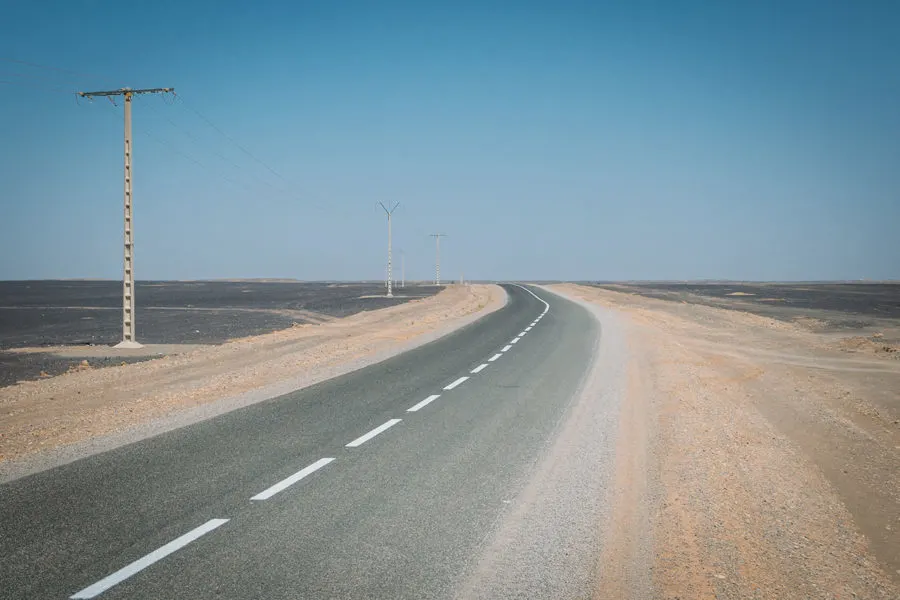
389, 295
128, 344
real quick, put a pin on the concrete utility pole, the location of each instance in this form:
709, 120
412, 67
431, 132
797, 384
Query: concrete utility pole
389, 213
402, 269
437, 257
128, 322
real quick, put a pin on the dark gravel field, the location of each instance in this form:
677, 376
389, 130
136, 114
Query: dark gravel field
843, 305
85, 313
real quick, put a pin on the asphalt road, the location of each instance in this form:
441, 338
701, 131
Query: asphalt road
406, 509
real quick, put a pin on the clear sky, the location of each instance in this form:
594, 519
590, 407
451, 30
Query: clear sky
563, 140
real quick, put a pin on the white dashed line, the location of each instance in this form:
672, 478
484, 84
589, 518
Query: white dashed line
523, 333
479, 368
142, 563
506, 348
286, 483
515, 341
459, 381
380, 429
494, 357
424, 403
527, 329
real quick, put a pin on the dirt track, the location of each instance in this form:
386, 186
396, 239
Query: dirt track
765, 455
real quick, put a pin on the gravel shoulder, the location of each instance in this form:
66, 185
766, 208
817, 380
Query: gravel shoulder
52, 421
757, 458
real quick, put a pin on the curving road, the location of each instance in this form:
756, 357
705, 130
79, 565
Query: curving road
474, 466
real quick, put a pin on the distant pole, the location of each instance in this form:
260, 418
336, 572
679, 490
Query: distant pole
389, 213
402, 269
128, 316
437, 257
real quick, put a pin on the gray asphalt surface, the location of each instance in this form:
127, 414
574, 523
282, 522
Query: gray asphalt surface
420, 511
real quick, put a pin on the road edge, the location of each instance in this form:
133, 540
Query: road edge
62, 455
627, 548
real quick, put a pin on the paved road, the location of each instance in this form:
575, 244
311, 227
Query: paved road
247, 505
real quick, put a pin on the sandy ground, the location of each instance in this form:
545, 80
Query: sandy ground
55, 420
756, 458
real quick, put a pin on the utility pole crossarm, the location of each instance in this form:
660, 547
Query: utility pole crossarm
123, 91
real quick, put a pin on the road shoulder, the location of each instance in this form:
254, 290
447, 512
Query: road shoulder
770, 460
547, 545
55, 421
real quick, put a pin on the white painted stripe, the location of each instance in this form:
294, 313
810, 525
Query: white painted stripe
456, 383
424, 403
142, 563
546, 306
529, 328
494, 357
506, 348
515, 341
365, 438
286, 483
523, 333
479, 368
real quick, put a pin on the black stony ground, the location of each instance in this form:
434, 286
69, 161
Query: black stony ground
83, 313
843, 305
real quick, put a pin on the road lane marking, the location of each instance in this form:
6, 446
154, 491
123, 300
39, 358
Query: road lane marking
506, 348
286, 483
523, 333
424, 403
544, 302
527, 329
365, 438
494, 357
479, 368
142, 563
459, 381
515, 341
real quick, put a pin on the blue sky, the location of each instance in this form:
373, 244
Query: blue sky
563, 140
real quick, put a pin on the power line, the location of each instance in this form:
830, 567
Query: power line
229, 138
176, 150
52, 88
224, 158
285, 193
47, 67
